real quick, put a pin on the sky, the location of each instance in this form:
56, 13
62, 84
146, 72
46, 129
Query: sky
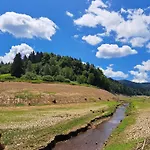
114, 35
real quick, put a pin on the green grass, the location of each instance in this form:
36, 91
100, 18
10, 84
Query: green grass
50, 93
6, 77
35, 137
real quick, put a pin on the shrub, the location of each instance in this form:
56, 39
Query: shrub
81, 79
67, 81
29, 76
6, 77
60, 78
48, 78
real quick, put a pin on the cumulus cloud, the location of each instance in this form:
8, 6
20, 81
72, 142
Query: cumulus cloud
139, 77
23, 49
133, 28
109, 72
69, 14
112, 51
141, 73
145, 66
92, 39
24, 26
148, 46
97, 3
138, 41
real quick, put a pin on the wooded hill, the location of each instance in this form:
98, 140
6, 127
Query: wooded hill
55, 68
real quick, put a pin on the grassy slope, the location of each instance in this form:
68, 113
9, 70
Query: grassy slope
118, 140
33, 137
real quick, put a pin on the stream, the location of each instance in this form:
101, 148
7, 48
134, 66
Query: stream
94, 139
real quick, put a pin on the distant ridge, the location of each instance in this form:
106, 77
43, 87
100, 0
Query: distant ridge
135, 85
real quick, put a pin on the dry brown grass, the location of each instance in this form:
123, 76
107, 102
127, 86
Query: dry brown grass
17, 93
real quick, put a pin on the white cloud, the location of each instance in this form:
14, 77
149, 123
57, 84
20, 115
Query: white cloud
135, 26
76, 36
92, 39
145, 66
23, 49
138, 41
86, 20
69, 14
148, 46
112, 51
24, 26
130, 29
139, 77
96, 4
109, 72
142, 74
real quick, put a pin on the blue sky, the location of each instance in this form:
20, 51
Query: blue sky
113, 35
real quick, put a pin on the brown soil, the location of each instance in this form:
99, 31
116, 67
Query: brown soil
141, 129
49, 94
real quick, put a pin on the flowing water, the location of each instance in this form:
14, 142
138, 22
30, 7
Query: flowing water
93, 139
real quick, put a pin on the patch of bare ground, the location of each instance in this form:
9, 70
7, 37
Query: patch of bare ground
42, 116
141, 129
14, 93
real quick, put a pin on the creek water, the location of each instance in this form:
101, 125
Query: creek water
94, 139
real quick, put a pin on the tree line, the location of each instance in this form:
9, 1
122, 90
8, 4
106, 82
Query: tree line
55, 68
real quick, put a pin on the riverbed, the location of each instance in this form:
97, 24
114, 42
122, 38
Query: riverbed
94, 139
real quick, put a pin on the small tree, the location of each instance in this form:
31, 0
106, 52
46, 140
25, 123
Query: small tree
29, 67
91, 79
17, 66
81, 79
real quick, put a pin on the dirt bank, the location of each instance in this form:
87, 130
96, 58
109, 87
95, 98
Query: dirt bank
141, 129
17, 93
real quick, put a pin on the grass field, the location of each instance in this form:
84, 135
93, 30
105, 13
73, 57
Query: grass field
32, 127
134, 131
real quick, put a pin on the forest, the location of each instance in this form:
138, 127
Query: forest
45, 67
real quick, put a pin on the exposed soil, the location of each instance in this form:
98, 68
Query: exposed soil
20, 93
141, 129
43, 107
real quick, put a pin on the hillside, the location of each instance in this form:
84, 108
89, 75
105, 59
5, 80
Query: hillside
135, 85
24, 94
44, 67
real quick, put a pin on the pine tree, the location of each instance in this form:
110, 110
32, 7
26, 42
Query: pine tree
17, 66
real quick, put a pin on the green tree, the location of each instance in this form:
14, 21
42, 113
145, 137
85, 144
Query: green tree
29, 67
91, 79
81, 79
45, 58
17, 66
46, 70
68, 73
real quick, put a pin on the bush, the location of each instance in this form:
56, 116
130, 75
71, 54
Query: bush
67, 81
81, 79
48, 78
6, 77
60, 78
29, 76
